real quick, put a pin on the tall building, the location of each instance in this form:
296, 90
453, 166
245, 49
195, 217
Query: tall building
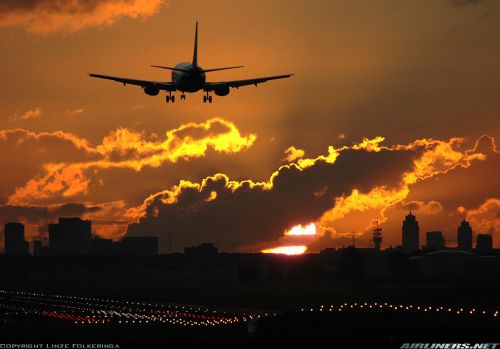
435, 240
464, 236
484, 243
70, 236
410, 234
14, 239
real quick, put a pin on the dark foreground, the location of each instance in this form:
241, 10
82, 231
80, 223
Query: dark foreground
49, 318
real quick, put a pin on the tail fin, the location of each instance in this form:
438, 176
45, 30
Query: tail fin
195, 55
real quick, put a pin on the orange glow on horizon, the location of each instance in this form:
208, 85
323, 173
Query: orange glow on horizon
287, 250
299, 230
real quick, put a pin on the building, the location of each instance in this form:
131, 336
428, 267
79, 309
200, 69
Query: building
14, 239
410, 234
39, 249
70, 236
484, 243
201, 251
435, 240
138, 246
464, 236
102, 247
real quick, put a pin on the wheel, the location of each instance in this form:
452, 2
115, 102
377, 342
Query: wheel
173, 99
204, 99
183, 97
167, 99
210, 99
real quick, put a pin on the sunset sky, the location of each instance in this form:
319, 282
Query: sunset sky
394, 105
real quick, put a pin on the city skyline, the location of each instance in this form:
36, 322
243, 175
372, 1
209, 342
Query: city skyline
72, 235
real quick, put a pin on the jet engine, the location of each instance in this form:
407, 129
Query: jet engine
151, 90
222, 90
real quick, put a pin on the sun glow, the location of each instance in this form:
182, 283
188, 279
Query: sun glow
299, 230
287, 250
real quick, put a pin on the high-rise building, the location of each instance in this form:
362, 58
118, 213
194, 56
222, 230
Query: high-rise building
70, 236
410, 233
14, 239
435, 240
484, 243
464, 236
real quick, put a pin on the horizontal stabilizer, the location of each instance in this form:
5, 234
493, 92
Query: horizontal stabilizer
217, 69
169, 68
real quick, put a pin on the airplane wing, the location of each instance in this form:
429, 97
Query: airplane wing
167, 86
211, 86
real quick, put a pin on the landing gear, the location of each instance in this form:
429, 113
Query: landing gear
170, 98
183, 97
207, 98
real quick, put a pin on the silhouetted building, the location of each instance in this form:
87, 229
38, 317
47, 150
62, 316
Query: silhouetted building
435, 240
39, 249
329, 251
484, 243
140, 246
464, 236
201, 251
410, 233
100, 246
70, 236
14, 239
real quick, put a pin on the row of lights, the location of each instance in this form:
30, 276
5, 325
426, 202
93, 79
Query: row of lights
89, 310
377, 306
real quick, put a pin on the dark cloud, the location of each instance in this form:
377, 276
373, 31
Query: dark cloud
252, 214
40, 214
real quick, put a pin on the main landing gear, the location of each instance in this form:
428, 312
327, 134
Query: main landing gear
171, 98
207, 98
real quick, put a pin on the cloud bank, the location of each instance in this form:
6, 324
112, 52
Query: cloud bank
50, 16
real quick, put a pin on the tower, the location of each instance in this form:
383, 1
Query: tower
410, 233
464, 236
377, 237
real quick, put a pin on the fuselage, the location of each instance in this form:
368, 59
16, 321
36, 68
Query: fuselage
190, 78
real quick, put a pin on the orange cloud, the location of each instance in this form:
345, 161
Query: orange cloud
128, 149
49, 16
35, 113
438, 157
486, 218
293, 154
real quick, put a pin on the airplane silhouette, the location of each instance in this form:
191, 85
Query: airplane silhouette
190, 78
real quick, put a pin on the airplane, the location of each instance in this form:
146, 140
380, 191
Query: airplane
190, 78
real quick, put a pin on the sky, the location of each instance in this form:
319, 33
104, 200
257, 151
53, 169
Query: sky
394, 106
